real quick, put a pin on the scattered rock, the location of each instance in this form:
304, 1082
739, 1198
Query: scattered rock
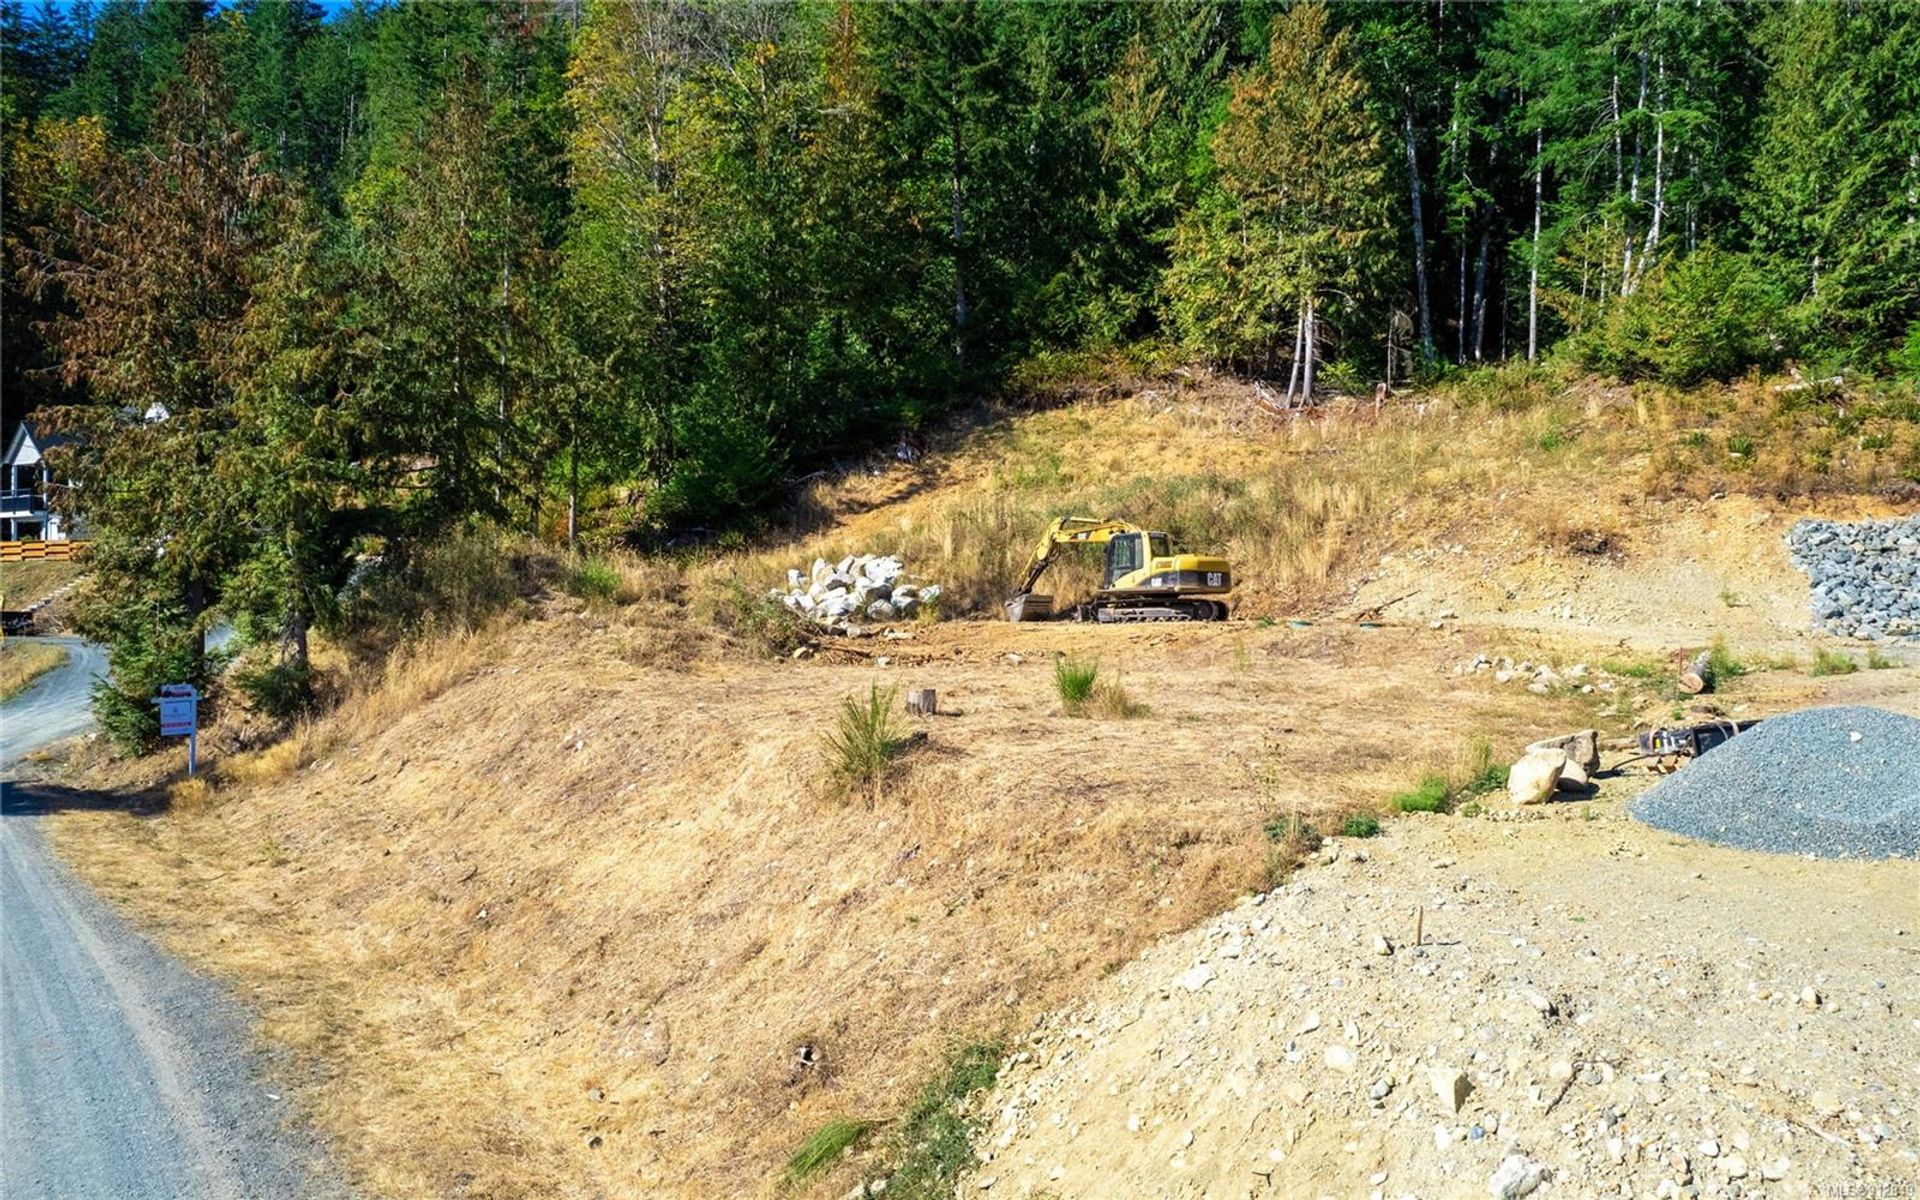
1451, 1086
1517, 1175
1197, 977
864, 586
1339, 1058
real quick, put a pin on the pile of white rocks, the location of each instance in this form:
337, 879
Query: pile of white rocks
1865, 575
859, 588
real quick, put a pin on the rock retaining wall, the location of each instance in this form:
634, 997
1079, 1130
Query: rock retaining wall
1865, 575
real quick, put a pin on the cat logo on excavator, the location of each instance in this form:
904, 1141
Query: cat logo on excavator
1145, 579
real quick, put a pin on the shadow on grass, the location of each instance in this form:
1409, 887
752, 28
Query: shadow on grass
34, 798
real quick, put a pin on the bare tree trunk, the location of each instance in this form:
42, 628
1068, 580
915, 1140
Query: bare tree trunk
298, 623
1299, 340
1460, 333
1313, 336
573, 485
1533, 272
1419, 233
1480, 291
959, 210
1659, 177
1633, 190
1614, 106
1627, 274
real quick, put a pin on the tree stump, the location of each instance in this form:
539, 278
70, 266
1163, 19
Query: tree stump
1698, 677
922, 702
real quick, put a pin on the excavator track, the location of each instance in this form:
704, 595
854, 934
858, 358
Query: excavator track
1146, 612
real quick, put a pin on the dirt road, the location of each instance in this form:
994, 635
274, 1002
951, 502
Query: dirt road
123, 1075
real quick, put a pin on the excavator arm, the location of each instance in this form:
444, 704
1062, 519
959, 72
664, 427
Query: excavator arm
1067, 531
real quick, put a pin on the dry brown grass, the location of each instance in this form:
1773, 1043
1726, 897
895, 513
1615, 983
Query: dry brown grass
1297, 502
23, 662
536, 872
23, 583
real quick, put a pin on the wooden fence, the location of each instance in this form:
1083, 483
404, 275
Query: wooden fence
13, 552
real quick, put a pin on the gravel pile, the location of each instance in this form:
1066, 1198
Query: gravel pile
1865, 574
1832, 782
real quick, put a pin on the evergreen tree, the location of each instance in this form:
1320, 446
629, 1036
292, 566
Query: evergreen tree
1289, 236
1834, 191
156, 269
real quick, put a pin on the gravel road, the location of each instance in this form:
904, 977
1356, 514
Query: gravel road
123, 1075
55, 706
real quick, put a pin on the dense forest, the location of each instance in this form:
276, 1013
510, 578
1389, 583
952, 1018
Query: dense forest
305, 284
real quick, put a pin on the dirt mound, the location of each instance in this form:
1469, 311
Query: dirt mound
1641, 1022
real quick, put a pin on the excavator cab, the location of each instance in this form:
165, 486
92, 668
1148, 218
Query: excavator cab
1124, 553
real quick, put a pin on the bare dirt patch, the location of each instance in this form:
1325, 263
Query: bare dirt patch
1628, 1012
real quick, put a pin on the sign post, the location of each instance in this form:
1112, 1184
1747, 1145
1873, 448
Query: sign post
180, 717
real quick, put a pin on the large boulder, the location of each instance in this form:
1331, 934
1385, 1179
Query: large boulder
1534, 777
1582, 748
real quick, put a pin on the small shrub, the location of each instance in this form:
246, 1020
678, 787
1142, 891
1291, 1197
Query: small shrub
1730, 598
1707, 315
1877, 661
1484, 773
1073, 680
453, 584
1359, 824
1431, 794
1112, 701
828, 1143
1832, 662
1907, 358
279, 691
1721, 663
593, 580
1555, 438
770, 626
865, 741
1632, 668
933, 1145
1293, 839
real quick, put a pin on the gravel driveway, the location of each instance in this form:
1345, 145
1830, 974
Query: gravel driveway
123, 1075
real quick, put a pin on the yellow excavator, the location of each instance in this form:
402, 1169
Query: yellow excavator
1144, 581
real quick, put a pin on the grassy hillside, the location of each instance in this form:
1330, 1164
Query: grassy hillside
577, 892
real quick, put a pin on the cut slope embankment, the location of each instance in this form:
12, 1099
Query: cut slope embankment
567, 901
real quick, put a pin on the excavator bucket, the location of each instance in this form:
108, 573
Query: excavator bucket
1030, 606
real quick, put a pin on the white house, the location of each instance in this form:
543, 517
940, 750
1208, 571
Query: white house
24, 514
